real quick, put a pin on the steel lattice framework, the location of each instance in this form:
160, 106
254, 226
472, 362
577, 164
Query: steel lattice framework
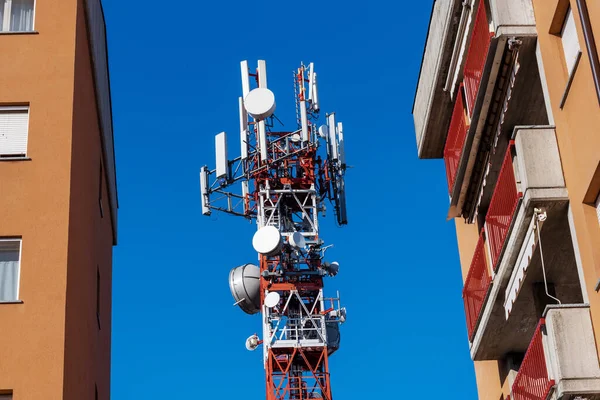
285, 178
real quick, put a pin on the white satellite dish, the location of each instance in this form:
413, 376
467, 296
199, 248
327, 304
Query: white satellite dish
267, 241
272, 299
295, 138
260, 103
297, 240
323, 131
244, 283
252, 343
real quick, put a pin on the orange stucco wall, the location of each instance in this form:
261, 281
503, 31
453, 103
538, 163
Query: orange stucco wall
47, 343
578, 135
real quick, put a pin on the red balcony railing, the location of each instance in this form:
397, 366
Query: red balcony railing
476, 55
502, 208
455, 140
476, 285
532, 382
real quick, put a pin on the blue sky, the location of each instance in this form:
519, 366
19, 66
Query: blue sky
175, 84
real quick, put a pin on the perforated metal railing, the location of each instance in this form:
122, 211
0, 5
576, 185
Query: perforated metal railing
532, 381
476, 285
502, 208
455, 140
476, 55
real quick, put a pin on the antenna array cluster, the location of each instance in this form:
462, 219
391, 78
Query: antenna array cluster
282, 179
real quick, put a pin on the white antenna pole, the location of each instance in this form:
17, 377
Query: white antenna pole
221, 155
262, 138
311, 77
243, 129
262, 73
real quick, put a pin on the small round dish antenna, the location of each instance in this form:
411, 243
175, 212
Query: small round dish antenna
333, 268
296, 138
323, 131
260, 103
252, 343
297, 240
267, 241
272, 299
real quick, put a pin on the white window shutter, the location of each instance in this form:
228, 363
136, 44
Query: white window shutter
570, 41
14, 126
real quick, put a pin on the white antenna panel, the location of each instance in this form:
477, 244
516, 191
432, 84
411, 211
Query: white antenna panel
245, 79
262, 74
204, 190
221, 152
341, 150
311, 72
260, 103
315, 93
243, 130
332, 136
262, 141
304, 120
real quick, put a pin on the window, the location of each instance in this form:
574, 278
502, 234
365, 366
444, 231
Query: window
97, 295
10, 258
16, 16
570, 42
14, 127
6, 395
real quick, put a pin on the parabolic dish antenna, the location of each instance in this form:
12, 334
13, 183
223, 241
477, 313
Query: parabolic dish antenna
260, 103
297, 240
244, 283
272, 299
252, 343
267, 241
323, 131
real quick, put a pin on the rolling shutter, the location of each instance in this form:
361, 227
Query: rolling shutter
570, 41
14, 126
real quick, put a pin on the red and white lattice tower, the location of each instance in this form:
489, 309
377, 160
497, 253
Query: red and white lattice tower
284, 179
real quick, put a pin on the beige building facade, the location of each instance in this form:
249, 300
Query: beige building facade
58, 209
509, 97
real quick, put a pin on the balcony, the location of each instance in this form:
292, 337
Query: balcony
466, 39
433, 105
530, 184
561, 361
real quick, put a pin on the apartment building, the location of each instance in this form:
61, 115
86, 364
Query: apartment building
509, 96
58, 202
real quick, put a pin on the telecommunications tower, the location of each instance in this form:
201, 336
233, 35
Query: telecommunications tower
284, 179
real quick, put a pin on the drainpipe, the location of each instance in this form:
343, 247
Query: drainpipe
462, 25
590, 43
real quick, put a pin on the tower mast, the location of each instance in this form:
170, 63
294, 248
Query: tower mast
285, 178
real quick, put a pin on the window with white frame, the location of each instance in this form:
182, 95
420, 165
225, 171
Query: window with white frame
570, 41
16, 15
10, 260
14, 128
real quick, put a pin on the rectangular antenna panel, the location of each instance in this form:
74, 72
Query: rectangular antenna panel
245, 193
333, 145
315, 103
243, 130
245, 79
221, 155
341, 192
304, 120
262, 73
341, 149
311, 72
204, 191
262, 140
